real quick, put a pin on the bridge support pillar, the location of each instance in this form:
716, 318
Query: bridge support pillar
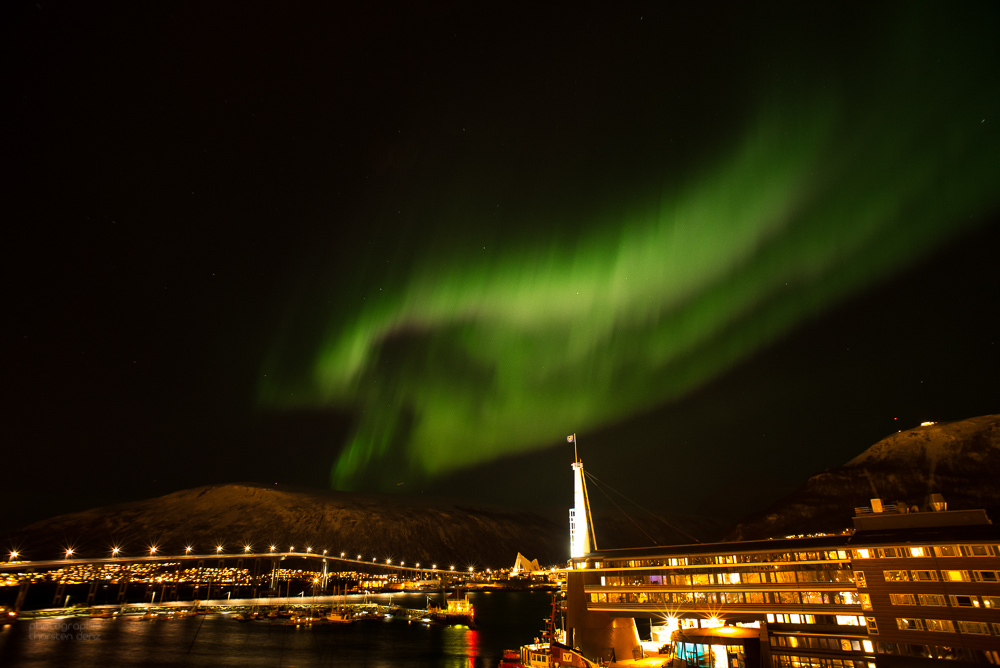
22, 594
92, 592
122, 591
60, 591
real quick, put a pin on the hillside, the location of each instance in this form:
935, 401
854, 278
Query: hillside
960, 460
401, 527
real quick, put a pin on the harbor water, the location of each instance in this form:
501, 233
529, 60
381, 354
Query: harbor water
503, 620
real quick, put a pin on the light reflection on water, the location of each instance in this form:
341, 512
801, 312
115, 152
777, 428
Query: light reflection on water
505, 620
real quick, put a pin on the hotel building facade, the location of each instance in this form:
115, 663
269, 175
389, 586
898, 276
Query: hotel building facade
899, 589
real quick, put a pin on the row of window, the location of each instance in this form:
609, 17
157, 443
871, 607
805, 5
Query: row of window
939, 652
702, 597
935, 551
712, 559
639, 579
956, 601
819, 642
944, 625
947, 576
787, 661
840, 620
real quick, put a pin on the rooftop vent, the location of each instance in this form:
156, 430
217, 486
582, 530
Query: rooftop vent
936, 503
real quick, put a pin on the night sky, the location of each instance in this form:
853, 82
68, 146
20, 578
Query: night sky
410, 250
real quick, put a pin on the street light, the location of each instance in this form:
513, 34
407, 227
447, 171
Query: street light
309, 549
273, 548
152, 550
187, 550
246, 548
69, 552
115, 551
218, 549
13, 555
341, 555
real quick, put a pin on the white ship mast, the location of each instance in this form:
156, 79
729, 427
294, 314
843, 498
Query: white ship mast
581, 532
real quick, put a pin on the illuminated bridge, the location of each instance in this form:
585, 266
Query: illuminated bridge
202, 574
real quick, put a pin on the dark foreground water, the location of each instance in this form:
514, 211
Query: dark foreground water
504, 620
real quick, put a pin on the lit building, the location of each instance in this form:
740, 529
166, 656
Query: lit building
900, 589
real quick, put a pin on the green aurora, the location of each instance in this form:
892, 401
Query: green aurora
460, 359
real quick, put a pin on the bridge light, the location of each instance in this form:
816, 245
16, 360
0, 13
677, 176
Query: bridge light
452, 568
246, 548
418, 564
187, 550
14, 554
388, 561
273, 547
359, 557
341, 554
69, 552
470, 569
115, 551
434, 566
218, 549
291, 549
309, 549
324, 551
152, 550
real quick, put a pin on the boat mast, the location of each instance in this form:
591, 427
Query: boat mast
581, 522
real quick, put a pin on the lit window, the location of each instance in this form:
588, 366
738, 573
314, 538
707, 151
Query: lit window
976, 550
940, 625
866, 602
902, 599
991, 601
896, 576
924, 576
908, 624
931, 599
986, 576
964, 601
946, 551
862, 554
872, 625
956, 576
867, 644
979, 628
859, 578
918, 552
